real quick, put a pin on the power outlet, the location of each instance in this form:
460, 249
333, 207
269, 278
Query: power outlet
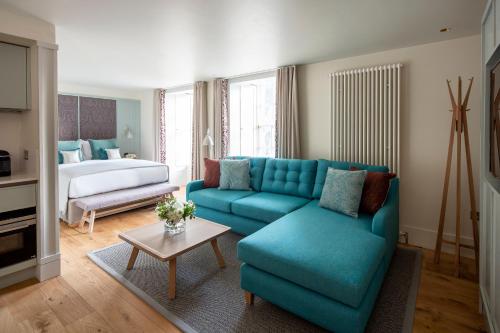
26, 154
403, 237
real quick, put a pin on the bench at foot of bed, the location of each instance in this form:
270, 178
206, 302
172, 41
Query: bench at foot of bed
109, 203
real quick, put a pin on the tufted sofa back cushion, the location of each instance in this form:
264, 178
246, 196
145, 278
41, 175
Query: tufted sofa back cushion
257, 165
323, 166
292, 177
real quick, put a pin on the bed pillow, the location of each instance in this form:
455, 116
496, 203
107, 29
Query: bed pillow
98, 148
374, 191
113, 153
212, 173
86, 150
67, 146
71, 156
235, 175
342, 191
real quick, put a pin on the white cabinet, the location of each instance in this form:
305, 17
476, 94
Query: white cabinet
13, 77
17, 197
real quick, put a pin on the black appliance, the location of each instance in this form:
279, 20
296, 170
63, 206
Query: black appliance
4, 163
17, 236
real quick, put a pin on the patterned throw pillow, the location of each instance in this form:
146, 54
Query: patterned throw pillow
98, 148
212, 173
66, 146
235, 175
374, 191
342, 191
71, 156
113, 153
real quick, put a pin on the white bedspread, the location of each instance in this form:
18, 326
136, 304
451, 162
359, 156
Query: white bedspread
100, 176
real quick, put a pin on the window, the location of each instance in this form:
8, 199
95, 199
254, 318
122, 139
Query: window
252, 118
178, 118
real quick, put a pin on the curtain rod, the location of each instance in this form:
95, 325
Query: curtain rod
250, 74
190, 85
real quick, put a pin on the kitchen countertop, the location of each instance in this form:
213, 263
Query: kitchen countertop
19, 178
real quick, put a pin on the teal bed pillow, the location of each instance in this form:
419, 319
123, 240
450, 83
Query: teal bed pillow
67, 146
234, 175
342, 191
99, 147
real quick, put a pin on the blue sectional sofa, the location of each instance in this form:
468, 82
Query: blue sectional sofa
321, 265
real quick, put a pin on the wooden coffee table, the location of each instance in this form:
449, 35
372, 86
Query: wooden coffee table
155, 241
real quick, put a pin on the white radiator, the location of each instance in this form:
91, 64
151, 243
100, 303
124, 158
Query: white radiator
365, 114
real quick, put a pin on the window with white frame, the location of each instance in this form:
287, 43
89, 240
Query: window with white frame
178, 119
252, 117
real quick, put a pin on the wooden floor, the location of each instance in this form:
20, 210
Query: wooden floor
86, 299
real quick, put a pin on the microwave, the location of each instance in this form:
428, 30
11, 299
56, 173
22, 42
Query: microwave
17, 236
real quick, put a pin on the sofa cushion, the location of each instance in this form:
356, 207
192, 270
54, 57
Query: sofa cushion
267, 207
234, 175
330, 253
323, 166
290, 177
217, 199
212, 173
257, 165
342, 191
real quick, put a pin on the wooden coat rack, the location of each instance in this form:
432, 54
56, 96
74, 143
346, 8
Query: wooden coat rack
458, 127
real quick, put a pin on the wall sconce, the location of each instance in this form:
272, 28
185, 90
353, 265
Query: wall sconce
128, 133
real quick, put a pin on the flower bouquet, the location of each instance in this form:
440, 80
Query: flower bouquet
174, 214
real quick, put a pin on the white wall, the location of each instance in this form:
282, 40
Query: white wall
146, 98
425, 125
26, 26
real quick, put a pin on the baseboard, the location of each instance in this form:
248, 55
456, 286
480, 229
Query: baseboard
17, 277
426, 238
49, 267
487, 315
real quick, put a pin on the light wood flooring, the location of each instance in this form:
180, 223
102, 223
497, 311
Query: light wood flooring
86, 299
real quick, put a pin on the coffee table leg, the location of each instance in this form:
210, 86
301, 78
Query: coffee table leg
172, 267
220, 259
133, 256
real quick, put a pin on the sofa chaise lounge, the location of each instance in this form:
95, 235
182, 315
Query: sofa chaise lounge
319, 264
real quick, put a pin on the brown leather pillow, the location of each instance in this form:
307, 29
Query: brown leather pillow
212, 173
374, 190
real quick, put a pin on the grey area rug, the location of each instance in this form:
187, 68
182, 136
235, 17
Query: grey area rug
209, 299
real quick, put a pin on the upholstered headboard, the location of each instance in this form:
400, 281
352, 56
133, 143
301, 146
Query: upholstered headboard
86, 118
68, 117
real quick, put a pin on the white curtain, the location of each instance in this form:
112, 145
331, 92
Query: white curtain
287, 114
200, 124
160, 154
221, 118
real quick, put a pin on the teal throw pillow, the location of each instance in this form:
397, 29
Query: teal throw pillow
67, 146
342, 191
234, 175
99, 147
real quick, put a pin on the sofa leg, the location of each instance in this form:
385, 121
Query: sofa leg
249, 298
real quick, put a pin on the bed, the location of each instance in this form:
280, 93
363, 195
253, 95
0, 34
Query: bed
94, 177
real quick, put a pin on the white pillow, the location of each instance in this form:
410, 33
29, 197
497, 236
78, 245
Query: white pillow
113, 153
71, 156
86, 150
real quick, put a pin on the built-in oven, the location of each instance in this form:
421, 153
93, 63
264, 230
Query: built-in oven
17, 236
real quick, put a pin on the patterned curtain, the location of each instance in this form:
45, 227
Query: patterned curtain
287, 114
221, 118
200, 125
160, 137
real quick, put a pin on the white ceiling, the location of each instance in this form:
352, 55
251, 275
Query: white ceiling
164, 43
